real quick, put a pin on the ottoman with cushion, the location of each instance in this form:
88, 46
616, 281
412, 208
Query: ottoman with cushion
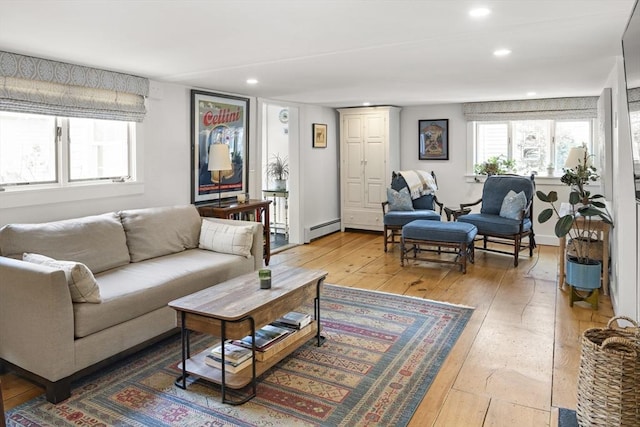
457, 235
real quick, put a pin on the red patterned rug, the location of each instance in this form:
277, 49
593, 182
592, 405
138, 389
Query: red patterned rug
381, 354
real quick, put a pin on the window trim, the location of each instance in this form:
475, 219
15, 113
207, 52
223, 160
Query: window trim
472, 136
16, 196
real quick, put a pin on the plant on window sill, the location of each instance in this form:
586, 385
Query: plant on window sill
496, 165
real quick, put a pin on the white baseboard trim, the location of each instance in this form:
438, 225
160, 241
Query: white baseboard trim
311, 233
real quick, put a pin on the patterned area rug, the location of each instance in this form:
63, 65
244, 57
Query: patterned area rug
381, 354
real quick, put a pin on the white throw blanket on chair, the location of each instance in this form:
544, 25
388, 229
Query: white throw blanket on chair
419, 182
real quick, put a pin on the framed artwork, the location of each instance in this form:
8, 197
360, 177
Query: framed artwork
319, 135
433, 139
218, 119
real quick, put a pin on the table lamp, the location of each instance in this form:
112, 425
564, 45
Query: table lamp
219, 160
576, 157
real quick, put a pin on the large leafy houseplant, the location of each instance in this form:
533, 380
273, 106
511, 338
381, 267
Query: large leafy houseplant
582, 204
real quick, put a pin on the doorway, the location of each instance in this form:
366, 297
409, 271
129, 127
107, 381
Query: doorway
277, 172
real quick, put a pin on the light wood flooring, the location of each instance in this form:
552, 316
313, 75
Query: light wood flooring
515, 363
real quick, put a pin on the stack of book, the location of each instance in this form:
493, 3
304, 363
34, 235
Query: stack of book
265, 337
236, 357
294, 320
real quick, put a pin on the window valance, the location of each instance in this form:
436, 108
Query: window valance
40, 86
633, 98
532, 109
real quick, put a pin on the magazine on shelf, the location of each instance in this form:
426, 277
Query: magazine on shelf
230, 367
233, 354
265, 337
294, 319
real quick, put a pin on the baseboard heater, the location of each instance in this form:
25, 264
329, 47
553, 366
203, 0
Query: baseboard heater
311, 233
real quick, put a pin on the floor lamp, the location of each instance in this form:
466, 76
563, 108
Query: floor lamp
219, 160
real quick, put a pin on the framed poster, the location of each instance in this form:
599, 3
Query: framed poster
218, 119
433, 139
319, 135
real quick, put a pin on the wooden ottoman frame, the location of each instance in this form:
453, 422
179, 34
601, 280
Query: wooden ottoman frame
463, 250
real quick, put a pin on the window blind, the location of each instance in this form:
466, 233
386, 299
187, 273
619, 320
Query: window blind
533, 109
40, 86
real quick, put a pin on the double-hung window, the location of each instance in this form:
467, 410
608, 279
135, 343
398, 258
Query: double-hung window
36, 150
534, 145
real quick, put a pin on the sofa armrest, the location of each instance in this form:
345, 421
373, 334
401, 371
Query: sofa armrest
257, 246
36, 319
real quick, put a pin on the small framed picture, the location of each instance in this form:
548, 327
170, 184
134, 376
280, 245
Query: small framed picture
319, 135
433, 139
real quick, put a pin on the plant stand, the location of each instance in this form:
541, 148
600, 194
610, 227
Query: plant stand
578, 294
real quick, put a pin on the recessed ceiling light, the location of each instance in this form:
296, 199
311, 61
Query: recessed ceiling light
531, 94
252, 81
479, 12
502, 52
366, 104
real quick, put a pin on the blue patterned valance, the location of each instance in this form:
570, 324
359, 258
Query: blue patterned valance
532, 109
41, 86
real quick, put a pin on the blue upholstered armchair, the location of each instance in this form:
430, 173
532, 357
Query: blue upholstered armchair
424, 207
505, 213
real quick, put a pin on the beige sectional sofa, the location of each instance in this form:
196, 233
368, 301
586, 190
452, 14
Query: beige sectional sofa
140, 259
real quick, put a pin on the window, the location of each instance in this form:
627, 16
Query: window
39, 149
533, 144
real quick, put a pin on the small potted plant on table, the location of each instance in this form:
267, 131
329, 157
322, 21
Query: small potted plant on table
278, 170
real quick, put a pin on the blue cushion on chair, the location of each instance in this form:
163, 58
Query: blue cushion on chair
495, 224
496, 188
422, 202
404, 217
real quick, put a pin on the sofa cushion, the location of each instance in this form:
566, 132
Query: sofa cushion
399, 218
226, 238
154, 232
82, 284
513, 205
495, 224
399, 200
96, 241
138, 288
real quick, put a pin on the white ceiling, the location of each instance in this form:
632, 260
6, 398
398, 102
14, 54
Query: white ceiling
334, 52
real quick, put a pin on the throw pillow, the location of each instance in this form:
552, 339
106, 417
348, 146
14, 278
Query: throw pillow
513, 204
226, 238
399, 200
82, 284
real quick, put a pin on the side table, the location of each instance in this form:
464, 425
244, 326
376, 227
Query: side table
283, 224
455, 212
260, 209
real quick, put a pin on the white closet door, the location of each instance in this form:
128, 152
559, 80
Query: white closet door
354, 161
375, 150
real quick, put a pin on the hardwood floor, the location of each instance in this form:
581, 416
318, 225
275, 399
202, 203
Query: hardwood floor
515, 363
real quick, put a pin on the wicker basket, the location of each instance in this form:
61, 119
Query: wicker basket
609, 376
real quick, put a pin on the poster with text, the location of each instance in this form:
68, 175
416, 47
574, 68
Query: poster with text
218, 119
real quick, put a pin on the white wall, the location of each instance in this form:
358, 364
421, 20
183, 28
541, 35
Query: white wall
625, 257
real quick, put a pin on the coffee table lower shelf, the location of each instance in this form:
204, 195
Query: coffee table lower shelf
196, 365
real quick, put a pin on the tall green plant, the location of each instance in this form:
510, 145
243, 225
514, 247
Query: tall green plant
582, 204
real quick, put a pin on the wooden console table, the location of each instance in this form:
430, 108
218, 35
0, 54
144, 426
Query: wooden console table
243, 211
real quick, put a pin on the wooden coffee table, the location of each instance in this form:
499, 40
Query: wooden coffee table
235, 309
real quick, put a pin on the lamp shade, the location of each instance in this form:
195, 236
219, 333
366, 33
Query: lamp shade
219, 159
577, 157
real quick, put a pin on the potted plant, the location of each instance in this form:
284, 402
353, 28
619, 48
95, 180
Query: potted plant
495, 165
583, 271
278, 170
